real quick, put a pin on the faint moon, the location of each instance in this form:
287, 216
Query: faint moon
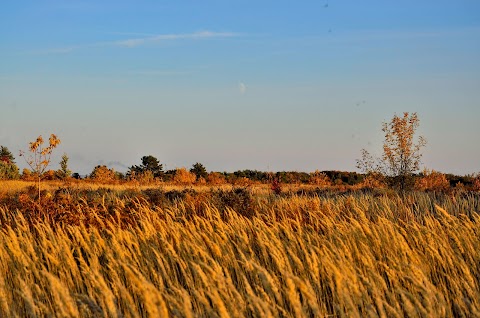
242, 88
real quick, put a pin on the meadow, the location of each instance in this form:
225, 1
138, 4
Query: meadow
91, 250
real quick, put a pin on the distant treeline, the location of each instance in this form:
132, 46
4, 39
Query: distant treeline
150, 169
293, 177
337, 177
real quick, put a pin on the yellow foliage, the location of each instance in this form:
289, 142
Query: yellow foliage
215, 178
242, 182
320, 179
184, 177
201, 181
39, 158
49, 175
143, 178
103, 174
373, 181
27, 175
432, 181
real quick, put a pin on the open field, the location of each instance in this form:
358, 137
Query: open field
236, 252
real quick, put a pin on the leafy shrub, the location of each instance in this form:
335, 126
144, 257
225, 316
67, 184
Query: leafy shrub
156, 197
373, 181
432, 180
276, 186
8, 171
216, 178
238, 199
184, 177
320, 179
476, 183
102, 174
242, 182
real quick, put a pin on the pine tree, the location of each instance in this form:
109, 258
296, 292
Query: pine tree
8, 168
64, 173
199, 170
5, 155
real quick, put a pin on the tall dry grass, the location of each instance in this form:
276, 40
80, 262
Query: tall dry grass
355, 255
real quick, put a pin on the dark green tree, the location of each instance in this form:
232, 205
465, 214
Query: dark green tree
149, 163
8, 168
199, 170
5, 155
63, 172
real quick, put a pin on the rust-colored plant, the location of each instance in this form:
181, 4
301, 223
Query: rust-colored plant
276, 185
476, 183
215, 178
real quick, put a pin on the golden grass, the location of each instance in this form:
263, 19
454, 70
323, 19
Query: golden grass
344, 256
10, 187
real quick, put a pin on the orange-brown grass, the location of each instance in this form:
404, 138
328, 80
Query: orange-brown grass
352, 255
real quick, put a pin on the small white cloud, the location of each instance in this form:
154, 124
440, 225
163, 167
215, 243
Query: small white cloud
242, 88
160, 72
139, 41
61, 50
131, 42
176, 36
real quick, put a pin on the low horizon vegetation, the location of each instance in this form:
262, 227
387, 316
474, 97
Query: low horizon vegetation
397, 168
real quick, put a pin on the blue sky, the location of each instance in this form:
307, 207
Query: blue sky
268, 85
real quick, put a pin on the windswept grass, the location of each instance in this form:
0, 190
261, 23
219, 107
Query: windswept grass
211, 255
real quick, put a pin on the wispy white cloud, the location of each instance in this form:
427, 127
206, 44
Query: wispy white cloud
138, 41
61, 50
142, 34
160, 72
166, 37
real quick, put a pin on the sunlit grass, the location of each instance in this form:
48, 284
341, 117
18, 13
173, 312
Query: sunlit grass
350, 255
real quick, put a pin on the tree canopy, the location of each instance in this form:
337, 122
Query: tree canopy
8, 168
199, 170
5, 155
149, 163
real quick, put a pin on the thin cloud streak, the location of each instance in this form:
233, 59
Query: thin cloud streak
135, 42
160, 72
166, 37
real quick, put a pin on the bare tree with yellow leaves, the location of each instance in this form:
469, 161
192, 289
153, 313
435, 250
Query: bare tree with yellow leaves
40, 156
401, 155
